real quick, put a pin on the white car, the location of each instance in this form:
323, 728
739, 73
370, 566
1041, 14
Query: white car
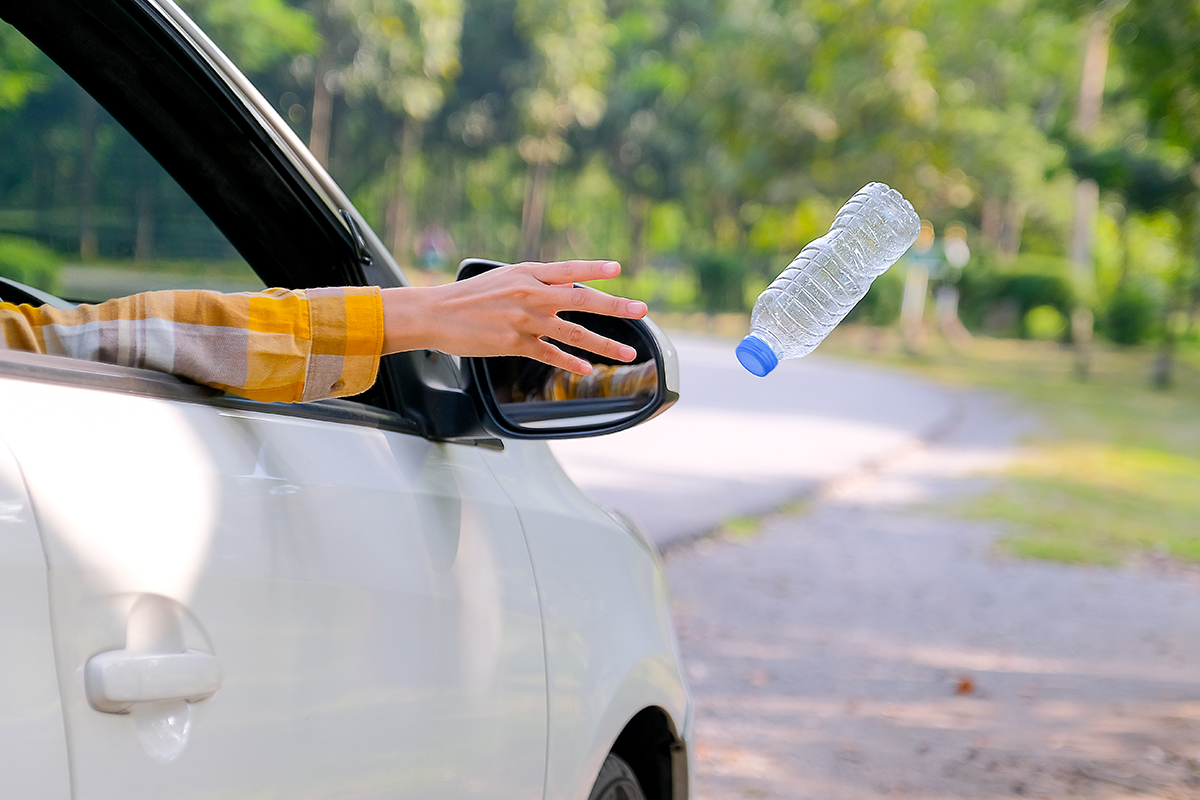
396, 596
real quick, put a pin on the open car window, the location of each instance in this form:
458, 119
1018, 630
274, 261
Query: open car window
129, 164
85, 212
230, 171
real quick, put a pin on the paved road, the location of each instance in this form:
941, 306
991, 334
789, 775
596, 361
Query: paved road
737, 445
877, 646
872, 645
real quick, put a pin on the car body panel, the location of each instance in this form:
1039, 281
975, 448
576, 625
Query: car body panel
368, 594
606, 657
32, 738
392, 615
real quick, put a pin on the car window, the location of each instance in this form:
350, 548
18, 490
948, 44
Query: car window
85, 212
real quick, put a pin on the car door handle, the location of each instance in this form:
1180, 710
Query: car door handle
119, 678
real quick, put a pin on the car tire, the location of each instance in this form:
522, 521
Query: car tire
616, 782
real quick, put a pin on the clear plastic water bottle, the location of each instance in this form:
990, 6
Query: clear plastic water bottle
818, 289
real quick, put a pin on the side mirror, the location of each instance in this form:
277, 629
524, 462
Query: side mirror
526, 399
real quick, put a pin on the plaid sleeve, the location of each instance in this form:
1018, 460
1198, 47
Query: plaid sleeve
273, 346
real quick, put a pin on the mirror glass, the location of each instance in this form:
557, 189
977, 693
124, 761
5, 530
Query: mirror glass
533, 395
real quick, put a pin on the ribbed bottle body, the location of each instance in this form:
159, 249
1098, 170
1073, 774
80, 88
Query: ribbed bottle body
831, 274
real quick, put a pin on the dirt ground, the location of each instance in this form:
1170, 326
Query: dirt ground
871, 645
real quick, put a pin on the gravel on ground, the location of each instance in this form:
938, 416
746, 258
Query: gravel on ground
871, 645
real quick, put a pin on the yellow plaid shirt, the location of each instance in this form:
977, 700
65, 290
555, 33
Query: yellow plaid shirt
274, 346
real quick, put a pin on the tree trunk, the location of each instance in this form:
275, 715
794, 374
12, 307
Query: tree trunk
89, 242
1126, 261
1164, 361
143, 248
639, 208
1193, 303
992, 220
322, 111
912, 308
1083, 325
399, 217
1013, 226
1087, 205
1087, 192
946, 311
1095, 69
537, 197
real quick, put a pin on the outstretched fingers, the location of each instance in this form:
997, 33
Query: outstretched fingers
547, 353
567, 272
578, 336
574, 297
585, 298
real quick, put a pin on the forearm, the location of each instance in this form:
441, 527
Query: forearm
509, 311
291, 346
409, 318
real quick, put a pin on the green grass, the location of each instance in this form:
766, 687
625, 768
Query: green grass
741, 527
1097, 503
1114, 472
97, 281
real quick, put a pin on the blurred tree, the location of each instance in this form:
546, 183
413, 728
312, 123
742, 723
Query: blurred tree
1085, 123
665, 130
649, 132
408, 54
1003, 73
570, 39
23, 69
256, 34
1158, 45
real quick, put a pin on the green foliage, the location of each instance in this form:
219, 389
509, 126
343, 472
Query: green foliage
1000, 300
663, 289
720, 277
666, 227
1133, 313
407, 52
23, 69
257, 34
25, 261
591, 222
881, 305
1160, 42
1045, 323
733, 130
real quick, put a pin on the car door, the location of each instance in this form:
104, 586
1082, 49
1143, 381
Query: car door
247, 599
33, 747
366, 597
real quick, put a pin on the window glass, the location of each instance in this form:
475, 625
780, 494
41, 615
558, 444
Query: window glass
85, 212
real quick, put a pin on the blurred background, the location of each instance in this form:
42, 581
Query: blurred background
1049, 144
1051, 147
901, 628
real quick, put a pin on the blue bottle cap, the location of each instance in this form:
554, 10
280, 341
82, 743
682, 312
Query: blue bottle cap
756, 356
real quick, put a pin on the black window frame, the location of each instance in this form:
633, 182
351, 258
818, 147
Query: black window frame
144, 72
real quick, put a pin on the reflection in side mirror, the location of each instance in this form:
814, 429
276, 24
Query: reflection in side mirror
568, 397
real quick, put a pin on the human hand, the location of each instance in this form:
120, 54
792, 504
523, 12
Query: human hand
510, 311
